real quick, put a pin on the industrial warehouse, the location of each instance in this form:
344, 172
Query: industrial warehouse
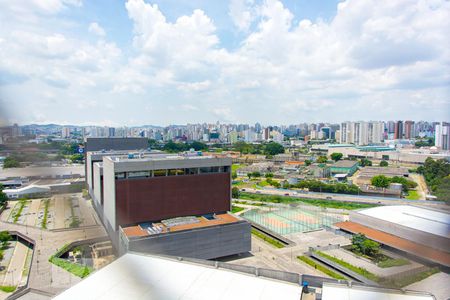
172, 204
419, 232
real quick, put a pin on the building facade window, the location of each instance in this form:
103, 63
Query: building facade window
138, 174
159, 173
120, 175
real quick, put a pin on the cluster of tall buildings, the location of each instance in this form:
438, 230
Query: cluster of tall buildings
359, 133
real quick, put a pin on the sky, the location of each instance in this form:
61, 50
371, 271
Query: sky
136, 62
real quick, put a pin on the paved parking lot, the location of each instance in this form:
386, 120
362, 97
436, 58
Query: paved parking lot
63, 211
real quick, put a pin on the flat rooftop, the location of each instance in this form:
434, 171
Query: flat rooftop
333, 291
140, 277
371, 171
344, 164
427, 220
141, 230
158, 157
396, 242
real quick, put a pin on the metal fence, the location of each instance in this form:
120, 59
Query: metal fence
287, 219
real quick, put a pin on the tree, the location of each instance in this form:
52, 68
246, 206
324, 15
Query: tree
273, 148
380, 181
364, 162
322, 159
442, 191
11, 162
76, 158
363, 245
384, 163
336, 156
235, 193
406, 184
198, 146
3, 197
308, 162
5, 237
256, 174
370, 248
234, 175
269, 175
243, 147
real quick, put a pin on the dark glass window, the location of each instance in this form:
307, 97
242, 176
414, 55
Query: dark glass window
120, 175
191, 171
158, 173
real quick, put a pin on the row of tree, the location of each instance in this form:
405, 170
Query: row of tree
384, 182
269, 149
437, 176
319, 186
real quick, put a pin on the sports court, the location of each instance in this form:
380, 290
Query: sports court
287, 219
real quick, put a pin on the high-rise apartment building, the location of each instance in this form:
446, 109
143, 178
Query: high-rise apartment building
398, 130
65, 132
347, 132
409, 130
361, 133
376, 132
442, 135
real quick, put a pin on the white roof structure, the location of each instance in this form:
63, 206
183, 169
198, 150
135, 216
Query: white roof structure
138, 277
30, 189
431, 221
331, 291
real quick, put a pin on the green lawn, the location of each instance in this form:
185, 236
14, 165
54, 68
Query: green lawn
44, 219
315, 202
392, 262
235, 209
359, 270
235, 167
7, 288
320, 267
75, 269
413, 195
267, 238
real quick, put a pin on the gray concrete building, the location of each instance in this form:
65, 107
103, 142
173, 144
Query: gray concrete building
139, 195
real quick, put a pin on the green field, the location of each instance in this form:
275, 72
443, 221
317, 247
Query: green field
392, 262
235, 167
413, 195
235, 209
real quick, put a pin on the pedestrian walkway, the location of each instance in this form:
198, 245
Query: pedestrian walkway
16, 265
369, 266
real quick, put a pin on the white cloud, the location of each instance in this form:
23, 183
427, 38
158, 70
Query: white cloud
373, 60
242, 13
96, 29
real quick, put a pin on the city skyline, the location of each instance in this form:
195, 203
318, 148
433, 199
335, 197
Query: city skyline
245, 61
